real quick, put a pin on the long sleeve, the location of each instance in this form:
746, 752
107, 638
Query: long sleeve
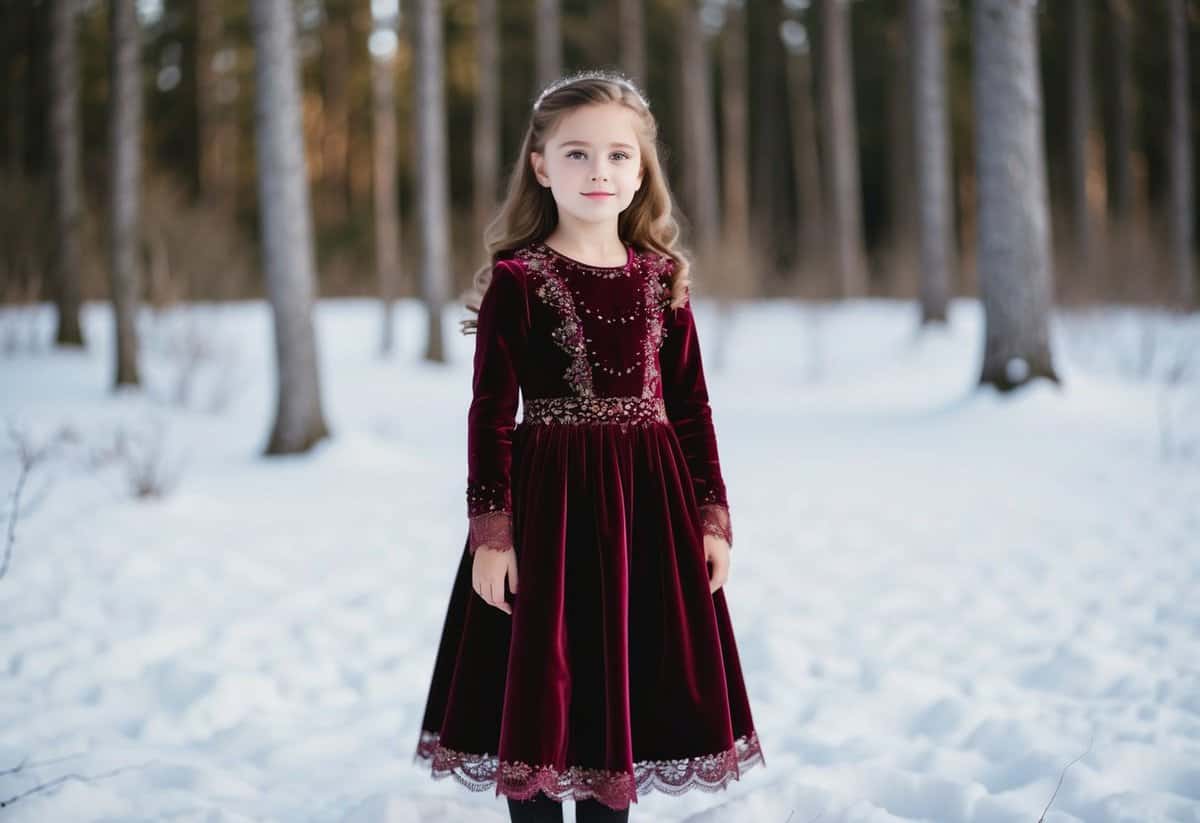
685, 395
501, 331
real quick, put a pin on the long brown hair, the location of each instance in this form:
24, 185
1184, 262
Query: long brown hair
529, 213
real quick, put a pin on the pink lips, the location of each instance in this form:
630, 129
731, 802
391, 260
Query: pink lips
597, 194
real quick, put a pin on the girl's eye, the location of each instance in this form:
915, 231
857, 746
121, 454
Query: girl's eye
577, 151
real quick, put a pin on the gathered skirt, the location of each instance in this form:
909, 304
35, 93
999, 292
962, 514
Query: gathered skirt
617, 672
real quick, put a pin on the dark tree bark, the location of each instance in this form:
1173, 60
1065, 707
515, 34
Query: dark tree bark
810, 234
735, 147
286, 223
1080, 102
1179, 157
1120, 141
548, 34
125, 177
68, 184
700, 181
1014, 227
486, 136
630, 32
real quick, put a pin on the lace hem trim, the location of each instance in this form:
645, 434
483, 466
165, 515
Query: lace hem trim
615, 789
569, 409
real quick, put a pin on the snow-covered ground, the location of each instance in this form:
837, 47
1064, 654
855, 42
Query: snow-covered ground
943, 597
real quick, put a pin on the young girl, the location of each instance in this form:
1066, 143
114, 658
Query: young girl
587, 651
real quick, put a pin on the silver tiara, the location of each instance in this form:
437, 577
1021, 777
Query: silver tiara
590, 75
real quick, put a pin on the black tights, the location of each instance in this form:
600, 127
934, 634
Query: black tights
542, 808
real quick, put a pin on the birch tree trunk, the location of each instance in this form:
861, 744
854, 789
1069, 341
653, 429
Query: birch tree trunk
1015, 278
631, 34
67, 182
433, 180
386, 207
548, 33
931, 138
1179, 156
286, 221
701, 159
839, 122
486, 136
125, 178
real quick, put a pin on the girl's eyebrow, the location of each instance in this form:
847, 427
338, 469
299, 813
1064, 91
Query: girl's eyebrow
585, 143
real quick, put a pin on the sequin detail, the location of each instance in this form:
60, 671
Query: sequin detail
569, 335
615, 789
545, 410
487, 496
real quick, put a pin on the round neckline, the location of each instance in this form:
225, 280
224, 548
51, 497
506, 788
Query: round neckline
580, 263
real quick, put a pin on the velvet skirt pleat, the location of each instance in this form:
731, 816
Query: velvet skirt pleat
618, 670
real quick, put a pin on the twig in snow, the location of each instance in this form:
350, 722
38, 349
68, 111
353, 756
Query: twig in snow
29, 457
41, 787
1042, 819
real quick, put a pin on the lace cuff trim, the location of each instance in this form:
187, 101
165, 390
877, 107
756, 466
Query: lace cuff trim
615, 789
714, 520
492, 530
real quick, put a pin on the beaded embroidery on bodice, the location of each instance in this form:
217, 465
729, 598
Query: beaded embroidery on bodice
552, 275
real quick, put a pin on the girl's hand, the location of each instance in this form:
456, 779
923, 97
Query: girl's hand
716, 555
488, 572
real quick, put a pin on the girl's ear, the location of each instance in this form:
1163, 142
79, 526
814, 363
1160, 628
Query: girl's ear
536, 162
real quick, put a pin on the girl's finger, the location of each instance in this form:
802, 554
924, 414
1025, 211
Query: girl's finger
512, 574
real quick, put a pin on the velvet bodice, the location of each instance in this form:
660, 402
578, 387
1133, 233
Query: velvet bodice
575, 344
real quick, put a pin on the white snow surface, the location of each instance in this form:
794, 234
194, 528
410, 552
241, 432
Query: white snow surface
943, 596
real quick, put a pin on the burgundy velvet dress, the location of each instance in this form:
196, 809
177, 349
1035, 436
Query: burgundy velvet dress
617, 672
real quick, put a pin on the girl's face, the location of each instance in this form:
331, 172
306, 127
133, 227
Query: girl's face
592, 163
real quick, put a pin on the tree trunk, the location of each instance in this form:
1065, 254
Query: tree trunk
632, 40
286, 225
701, 159
735, 150
840, 153
386, 207
1119, 145
68, 184
548, 32
335, 132
487, 135
16, 24
1080, 103
433, 182
208, 42
125, 157
931, 139
1179, 156
810, 230
901, 154
1015, 278
216, 109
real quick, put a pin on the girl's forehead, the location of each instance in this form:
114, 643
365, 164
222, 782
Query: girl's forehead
599, 124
